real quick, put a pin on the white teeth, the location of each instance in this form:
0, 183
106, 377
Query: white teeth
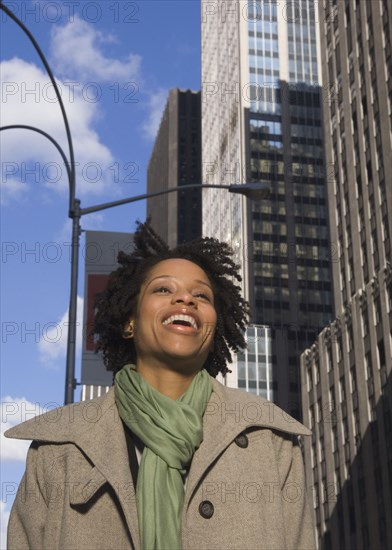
186, 318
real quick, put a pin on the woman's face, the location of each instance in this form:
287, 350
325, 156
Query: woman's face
176, 317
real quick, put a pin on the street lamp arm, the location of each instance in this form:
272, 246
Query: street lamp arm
71, 163
253, 190
45, 134
106, 205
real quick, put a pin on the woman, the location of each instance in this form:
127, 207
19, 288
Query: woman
169, 458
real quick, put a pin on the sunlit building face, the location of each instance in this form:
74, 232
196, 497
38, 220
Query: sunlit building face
262, 121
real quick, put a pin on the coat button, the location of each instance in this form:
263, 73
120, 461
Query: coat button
242, 441
206, 509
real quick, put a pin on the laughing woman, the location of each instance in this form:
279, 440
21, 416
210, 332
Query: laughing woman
169, 458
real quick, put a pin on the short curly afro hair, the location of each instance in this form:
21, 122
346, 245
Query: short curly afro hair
118, 302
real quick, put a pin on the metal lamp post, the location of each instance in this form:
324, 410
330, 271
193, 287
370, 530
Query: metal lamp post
75, 212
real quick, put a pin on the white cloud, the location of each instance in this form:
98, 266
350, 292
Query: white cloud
11, 189
76, 50
92, 222
15, 410
156, 106
64, 234
53, 343
32, 159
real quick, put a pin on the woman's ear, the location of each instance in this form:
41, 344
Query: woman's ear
129, 330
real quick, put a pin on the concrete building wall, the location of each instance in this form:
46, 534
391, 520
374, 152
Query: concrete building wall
347, 402
346, 374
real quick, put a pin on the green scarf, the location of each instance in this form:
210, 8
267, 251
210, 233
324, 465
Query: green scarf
171, 431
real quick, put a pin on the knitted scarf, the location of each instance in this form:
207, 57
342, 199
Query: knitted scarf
171, 432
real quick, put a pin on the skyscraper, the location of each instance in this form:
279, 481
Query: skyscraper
346, 374
262, 121
176, 161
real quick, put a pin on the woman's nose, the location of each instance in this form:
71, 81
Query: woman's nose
184, 297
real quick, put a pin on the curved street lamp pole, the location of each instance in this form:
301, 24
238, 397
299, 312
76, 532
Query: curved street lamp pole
70, 165
75, 212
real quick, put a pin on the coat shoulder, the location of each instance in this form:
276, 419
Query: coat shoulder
254, 411
64, 424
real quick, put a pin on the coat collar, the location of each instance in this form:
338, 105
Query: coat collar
90, 424
230, 412
96, 428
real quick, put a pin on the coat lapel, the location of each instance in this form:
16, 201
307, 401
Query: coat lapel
105, 445
228, 413
215, 440
96, 428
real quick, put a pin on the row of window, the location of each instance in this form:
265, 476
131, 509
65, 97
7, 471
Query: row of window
264, 64
263, 27
263, 127
263, 45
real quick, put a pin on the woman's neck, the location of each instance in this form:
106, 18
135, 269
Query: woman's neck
167, 381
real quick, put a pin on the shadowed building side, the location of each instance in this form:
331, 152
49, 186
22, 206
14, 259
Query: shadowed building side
176, 161
346, 374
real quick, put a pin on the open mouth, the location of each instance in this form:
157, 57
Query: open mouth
183, 320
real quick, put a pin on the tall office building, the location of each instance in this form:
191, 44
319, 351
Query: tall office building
262, 121
176, 161
347, 394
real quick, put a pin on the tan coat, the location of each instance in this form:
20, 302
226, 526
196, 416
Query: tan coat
244, 492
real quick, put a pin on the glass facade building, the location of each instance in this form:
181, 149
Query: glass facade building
262, 120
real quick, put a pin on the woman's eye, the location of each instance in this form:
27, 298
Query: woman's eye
162, 290
203, 296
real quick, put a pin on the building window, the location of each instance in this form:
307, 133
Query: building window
381, 353
389, 296
365, 322
345, 433
353, 380
340, 349
309, 379
319, 412
311, 417
316, 373
368, 366
377, 310
337, 481
329, 359
335, 441
342, 391
350, 338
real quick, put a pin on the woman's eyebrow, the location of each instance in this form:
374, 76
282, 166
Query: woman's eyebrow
160, 277
172, 277
203, 283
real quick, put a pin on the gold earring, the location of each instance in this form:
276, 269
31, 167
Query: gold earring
128, 334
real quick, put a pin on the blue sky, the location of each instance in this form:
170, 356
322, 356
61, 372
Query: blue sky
114, 62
